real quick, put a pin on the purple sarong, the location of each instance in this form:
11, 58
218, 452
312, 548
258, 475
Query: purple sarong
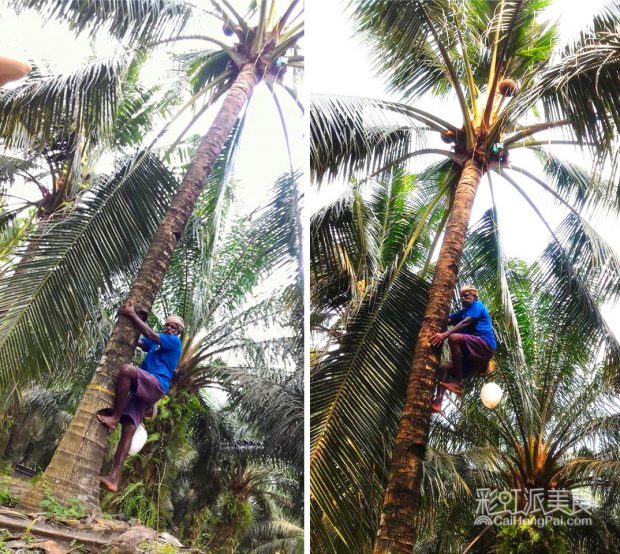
144, 395
477, 354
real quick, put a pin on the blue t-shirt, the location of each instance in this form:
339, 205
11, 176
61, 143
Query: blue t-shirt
482, 322
162, 359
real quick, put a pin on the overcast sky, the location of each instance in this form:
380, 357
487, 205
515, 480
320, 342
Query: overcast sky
339, 63
262, 155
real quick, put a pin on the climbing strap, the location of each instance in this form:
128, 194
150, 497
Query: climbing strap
97, 387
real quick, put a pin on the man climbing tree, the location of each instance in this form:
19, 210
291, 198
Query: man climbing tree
139, 388
472, 345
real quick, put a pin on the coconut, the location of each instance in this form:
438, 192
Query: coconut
138, 440
447, 136
507, 87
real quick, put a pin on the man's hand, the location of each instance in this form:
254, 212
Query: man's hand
438, 338
128, 310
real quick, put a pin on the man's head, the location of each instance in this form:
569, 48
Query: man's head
174, 325
468, 294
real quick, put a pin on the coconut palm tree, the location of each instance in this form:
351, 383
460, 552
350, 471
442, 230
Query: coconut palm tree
555, 429
498, 62
263, 40
367, 307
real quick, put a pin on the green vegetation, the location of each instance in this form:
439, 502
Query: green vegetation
60, 511
223, 466
6, 497
387, 256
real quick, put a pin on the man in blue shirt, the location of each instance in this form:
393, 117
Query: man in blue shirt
471, 341
139, 388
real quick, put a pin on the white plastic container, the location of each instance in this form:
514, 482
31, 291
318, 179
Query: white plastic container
491, 395
138, 440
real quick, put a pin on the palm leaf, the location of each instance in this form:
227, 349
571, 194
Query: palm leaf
564, 87
358, 387
584, 271
132, 20
350, 135
274, 405
45, 108
410, 41
69, 264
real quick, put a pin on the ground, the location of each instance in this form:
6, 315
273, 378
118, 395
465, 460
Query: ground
51, 534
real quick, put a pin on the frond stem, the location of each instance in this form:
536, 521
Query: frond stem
420, 225
546, 187
421, 152
454, 78
532, 129
285, 16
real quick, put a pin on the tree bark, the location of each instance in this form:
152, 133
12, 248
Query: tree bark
396, 529
74, 470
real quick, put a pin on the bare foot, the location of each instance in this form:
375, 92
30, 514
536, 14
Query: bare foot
108, 420
436, 407
108, 483
456, 388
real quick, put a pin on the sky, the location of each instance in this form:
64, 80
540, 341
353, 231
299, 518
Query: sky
341, 64
49, 44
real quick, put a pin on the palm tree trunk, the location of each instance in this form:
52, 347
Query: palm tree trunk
396, 530
73, 472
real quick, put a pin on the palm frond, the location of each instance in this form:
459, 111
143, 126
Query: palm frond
350, 136
564, 88
273, 537
410, 41
358, 386
12, 234
584, 272
68, 264
581, 188
45, 108
11, 166
209, 67
274, 406
340, 244
132, 20
139, 106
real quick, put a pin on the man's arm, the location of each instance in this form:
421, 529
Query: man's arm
129, 311
11, 70
438, 338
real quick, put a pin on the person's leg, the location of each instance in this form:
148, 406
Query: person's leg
127, 378
111, 481
455, 342
444, 370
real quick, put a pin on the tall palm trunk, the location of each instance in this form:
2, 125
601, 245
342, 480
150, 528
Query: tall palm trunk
73, 472
396, 530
